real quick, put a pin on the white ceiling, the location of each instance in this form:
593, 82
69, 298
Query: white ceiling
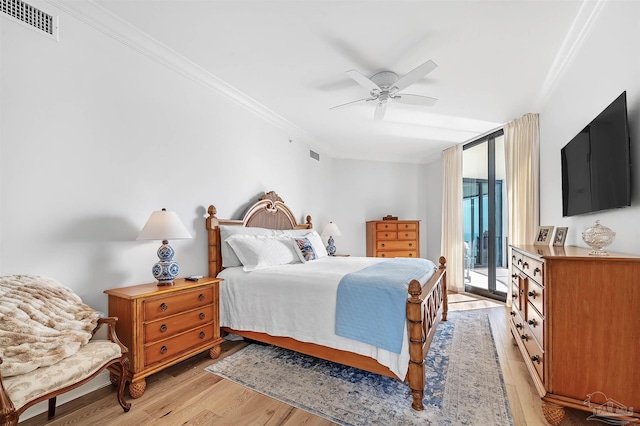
497, 60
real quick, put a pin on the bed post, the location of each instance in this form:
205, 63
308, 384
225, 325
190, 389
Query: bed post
445, 300
215, 257
416, 373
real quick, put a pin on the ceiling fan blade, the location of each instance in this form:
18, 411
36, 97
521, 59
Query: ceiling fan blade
352, 102
380, 110
362, 80
415, 100
415, 75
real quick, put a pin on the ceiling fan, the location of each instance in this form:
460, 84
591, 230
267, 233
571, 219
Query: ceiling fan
386, 85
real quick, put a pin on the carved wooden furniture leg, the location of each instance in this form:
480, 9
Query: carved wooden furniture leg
553, 413
215, 351
137, 388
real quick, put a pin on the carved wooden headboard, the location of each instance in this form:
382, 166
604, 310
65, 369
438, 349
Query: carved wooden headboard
268, 212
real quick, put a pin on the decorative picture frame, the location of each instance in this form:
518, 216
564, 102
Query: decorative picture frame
560, 236
543, 235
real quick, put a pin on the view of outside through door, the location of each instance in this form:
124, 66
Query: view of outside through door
485, 217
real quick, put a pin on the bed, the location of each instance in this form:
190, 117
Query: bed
252, 308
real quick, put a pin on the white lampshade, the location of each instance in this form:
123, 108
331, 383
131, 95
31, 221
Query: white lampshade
163, 225
331, 230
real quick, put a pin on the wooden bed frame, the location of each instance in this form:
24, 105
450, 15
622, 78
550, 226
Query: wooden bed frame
426, 306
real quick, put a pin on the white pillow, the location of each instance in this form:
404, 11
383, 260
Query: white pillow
257, 252
229, 257
318, 245
294, 232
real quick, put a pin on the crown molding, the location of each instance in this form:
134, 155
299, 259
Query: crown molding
122, 31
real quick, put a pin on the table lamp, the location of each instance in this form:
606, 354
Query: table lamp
331, 230
163, 225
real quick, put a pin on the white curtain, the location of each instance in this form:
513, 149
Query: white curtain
452, 245
522, 161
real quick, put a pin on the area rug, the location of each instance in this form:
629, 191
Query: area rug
464, 381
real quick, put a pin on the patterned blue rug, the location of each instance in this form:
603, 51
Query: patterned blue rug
464, 381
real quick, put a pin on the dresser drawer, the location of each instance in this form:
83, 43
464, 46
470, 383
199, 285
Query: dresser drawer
536, 324
534, 352
166, 305
397, 253
167, 327
387, 235
168, 348
407, 226
397, 245
535, 295
533, 268
386, 226
407, 235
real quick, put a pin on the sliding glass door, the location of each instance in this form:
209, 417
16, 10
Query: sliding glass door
485, 217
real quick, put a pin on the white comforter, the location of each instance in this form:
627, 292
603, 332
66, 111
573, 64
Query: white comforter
299, 301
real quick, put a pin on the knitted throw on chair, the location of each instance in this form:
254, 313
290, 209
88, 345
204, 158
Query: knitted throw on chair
41, 323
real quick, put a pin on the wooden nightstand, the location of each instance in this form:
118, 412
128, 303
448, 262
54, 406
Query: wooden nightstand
163, 325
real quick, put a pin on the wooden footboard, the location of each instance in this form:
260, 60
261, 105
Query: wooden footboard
425, 307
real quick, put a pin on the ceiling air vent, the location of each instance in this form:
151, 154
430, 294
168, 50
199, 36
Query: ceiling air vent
314, 155
30, 16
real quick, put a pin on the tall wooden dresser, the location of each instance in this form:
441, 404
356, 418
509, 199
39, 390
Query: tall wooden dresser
393, 238
163, 325
575, 318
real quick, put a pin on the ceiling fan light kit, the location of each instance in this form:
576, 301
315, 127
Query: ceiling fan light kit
386, 85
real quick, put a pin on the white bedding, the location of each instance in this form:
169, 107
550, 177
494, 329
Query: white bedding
279, 302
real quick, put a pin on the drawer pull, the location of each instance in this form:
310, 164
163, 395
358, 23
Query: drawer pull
514, 275
410, 254
536, 358
163, 350
519, 261
513, 314
525, 265
201, 316
525, 337
513, 257
518, 325
164, 307
382, 255
532, 294
201, 297
202, 335
386, 235
537, 270
163, 328
410, 244
382, 244
406, 235
533, 322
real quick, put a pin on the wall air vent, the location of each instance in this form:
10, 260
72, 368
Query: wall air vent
30, 16
314, 155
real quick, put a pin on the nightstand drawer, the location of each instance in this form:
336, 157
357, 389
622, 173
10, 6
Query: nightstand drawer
397, 253
166, 349
167, 327
164, 306
397, 245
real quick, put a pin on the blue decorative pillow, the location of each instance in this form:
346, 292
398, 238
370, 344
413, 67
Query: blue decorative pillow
308, 253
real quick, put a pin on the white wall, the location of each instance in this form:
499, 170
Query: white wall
370, 190
607, 64
95, 136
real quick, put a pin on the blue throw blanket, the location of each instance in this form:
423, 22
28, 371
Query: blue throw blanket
371, 304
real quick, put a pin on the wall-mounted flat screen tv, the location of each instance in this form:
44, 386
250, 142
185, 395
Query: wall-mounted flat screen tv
596, 170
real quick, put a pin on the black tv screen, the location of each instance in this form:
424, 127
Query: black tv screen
596, 171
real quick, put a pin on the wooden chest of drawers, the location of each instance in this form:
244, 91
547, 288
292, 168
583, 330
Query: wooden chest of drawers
393, 238
163, 325
574, 317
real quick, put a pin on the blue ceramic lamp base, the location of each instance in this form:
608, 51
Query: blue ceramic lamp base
166, 270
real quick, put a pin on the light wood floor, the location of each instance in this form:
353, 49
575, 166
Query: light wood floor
187, 395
